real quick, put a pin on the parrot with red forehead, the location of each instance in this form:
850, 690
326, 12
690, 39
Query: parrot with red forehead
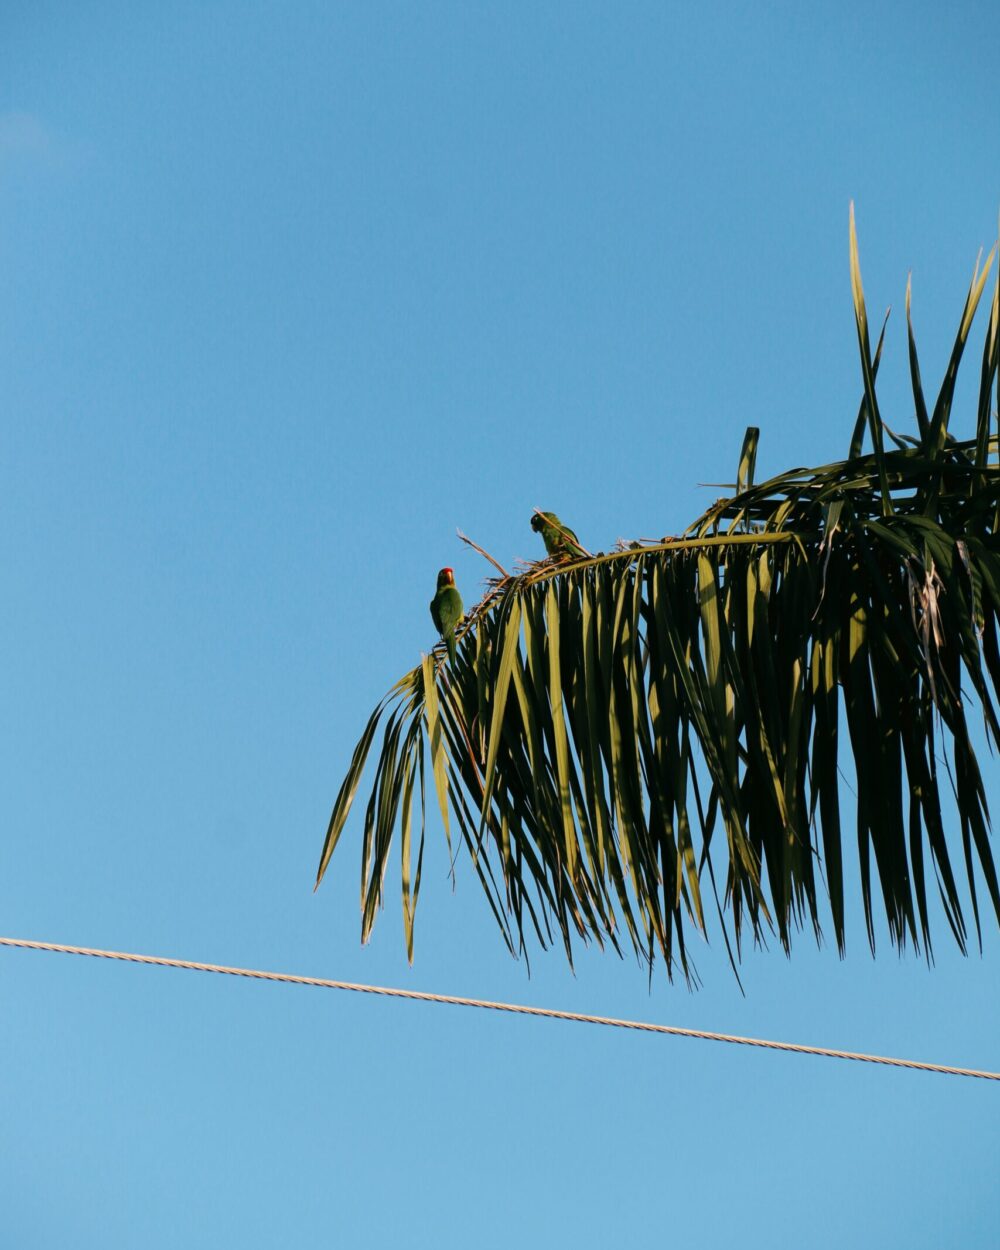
446, 609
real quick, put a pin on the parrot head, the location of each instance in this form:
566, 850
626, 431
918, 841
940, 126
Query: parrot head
537, 521
446, 578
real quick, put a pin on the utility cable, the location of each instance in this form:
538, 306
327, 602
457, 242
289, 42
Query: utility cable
515, 1008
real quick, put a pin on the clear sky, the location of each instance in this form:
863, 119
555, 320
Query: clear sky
290, 291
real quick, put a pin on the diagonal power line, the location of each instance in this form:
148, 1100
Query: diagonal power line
515, 1008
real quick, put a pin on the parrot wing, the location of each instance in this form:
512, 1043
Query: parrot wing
449, 609
559, 539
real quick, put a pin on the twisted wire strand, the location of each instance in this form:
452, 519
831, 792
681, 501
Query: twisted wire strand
520, 1009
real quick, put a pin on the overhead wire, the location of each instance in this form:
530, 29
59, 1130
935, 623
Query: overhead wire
520, 1009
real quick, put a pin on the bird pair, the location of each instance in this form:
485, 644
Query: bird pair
447, 606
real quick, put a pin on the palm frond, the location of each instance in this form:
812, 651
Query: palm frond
616, 729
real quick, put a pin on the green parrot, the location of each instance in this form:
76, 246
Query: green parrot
446, 609
559, 540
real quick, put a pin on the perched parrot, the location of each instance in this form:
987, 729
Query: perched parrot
559, 540
446, 609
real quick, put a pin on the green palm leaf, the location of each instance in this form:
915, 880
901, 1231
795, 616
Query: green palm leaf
617, 731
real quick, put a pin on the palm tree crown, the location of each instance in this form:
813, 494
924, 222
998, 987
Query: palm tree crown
617, 728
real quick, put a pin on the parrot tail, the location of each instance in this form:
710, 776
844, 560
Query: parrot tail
450, 640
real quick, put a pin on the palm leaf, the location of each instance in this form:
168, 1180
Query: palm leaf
621, 732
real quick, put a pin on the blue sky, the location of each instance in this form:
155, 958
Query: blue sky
289, 293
